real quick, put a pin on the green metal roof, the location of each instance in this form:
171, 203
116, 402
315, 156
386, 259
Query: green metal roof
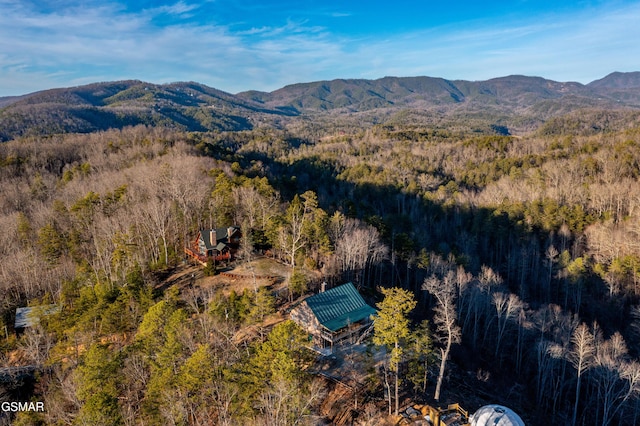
30, 316
339, 306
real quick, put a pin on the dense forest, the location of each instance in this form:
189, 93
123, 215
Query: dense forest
528, 241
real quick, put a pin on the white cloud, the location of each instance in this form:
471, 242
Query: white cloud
107, 42
179, 8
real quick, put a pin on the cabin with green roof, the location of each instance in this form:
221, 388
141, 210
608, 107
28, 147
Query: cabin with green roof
334, 316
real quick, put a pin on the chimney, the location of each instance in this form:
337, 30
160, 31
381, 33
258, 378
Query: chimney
229, 231
323, 286
212, 237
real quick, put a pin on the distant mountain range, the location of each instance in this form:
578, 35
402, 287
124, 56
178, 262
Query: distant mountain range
513, 102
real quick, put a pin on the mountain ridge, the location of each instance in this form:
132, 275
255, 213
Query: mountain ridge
196, 107
618, 80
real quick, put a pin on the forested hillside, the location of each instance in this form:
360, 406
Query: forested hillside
512, 104
102, 106
533, 238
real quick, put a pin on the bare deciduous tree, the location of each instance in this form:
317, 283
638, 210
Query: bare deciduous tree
448, 331
507, 308
35, 344
581, 357
357, 247
284, 404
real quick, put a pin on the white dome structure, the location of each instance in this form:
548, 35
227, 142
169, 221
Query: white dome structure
495, 415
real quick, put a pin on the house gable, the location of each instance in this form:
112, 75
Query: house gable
304, 316
219, 239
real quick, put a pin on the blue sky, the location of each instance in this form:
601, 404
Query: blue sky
241, 45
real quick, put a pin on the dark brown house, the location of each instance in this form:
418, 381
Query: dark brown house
219, 244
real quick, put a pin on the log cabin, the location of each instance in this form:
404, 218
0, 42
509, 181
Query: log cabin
339, 315
219, 244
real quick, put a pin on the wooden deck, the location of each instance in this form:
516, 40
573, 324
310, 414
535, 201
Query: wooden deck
193, 254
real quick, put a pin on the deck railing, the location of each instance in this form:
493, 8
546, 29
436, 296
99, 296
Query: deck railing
204, 259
